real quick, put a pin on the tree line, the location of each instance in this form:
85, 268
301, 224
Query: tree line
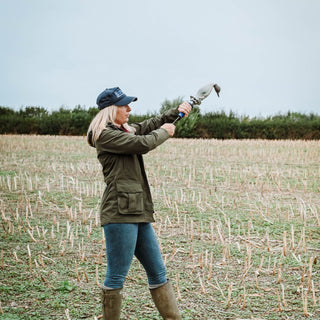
218, 125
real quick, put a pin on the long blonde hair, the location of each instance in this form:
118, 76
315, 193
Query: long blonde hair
100, 121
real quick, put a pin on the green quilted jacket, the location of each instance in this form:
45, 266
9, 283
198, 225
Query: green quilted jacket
127, 197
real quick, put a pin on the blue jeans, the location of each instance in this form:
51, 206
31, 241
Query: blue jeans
123, 240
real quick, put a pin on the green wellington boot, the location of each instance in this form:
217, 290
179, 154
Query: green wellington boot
111, 304
165, 302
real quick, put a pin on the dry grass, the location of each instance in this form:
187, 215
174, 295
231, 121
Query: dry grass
238, 223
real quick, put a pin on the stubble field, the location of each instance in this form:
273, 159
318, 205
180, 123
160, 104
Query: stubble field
238, 223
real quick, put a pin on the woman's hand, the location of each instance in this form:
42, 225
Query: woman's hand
170, 128
185, 108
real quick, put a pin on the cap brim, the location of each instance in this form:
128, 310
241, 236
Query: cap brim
125, 100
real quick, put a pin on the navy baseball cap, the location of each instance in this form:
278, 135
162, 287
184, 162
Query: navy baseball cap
113, 97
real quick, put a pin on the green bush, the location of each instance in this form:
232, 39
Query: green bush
218, 125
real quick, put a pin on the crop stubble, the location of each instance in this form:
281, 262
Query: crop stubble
238, 225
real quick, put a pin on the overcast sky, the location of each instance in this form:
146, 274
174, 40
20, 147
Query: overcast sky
265, 54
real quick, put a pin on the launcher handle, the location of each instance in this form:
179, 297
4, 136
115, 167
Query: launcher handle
181, 114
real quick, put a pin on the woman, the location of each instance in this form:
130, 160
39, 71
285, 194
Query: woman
126, 207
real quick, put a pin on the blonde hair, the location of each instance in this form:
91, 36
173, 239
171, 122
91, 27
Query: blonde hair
100, 121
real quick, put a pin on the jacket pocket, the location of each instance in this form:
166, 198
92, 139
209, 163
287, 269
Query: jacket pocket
130, 198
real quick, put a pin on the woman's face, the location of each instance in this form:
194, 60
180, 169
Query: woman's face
122, 115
